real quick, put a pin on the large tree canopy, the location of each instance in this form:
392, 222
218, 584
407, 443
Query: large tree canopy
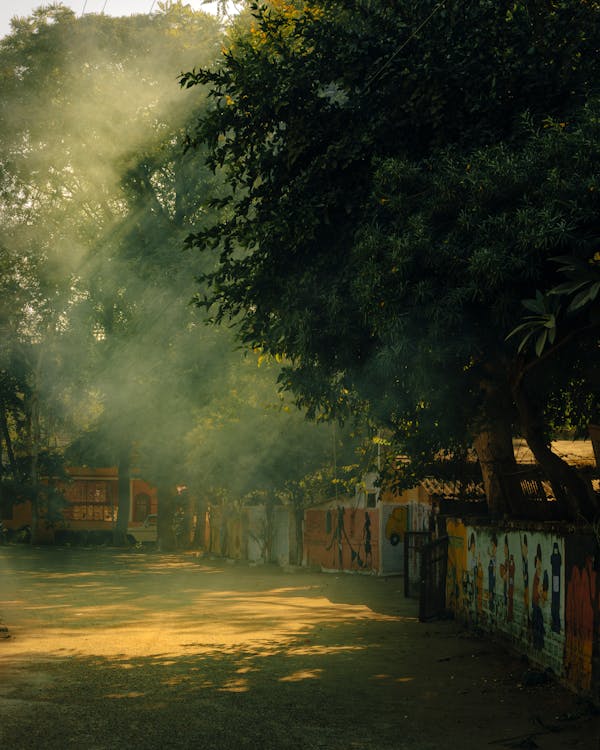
90, 210
100, 347
402, 178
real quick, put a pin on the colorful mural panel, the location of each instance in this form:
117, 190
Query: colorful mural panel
512, 581
342, 538
394, 523
582, 613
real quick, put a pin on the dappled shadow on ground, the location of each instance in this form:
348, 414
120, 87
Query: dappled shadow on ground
338, 689
113, 650
242, 699
145, 600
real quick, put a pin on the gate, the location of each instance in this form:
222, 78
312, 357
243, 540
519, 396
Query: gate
413, 542
434, 566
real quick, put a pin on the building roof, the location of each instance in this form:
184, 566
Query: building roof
578, 453
473, 491
87, 472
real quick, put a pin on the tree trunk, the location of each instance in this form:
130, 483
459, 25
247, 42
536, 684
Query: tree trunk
35, 438
8, 442
299, 533
34, 451
494, 448
571, 489
493, 444
124, 498
199, 537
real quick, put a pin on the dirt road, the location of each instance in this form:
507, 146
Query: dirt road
131, 650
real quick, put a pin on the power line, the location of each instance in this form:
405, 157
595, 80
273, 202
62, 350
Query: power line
395, 54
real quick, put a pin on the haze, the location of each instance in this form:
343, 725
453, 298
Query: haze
20, 8
97, 197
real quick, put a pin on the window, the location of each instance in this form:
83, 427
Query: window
141, 506
89, 500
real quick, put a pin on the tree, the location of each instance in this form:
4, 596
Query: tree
248, 438
88, 168
96, 281
389, 173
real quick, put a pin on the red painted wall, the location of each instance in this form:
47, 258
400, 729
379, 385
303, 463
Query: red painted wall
342, 538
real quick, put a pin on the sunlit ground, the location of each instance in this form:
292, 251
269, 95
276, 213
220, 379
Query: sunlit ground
97, 612
265, 621
112, 650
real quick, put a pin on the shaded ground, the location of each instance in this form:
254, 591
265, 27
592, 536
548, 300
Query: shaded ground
133, 650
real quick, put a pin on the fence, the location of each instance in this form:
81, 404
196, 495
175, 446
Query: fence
414, 541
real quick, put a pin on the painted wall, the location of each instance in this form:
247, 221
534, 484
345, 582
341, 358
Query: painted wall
256, 530
582, 614
225, 533
394, 525
408, 512
539, 588
248, 534
280, 535
342, 538
267, 533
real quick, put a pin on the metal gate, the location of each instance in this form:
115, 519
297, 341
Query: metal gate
413, 542
434, 566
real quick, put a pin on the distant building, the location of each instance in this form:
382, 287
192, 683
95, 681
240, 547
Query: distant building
91, 506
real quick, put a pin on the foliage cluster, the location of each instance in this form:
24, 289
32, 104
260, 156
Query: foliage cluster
102, 356
401, 177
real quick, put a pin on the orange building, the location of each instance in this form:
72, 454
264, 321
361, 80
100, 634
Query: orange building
92, 502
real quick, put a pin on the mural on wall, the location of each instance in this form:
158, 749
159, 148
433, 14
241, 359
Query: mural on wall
342, 538
507, 574
223, 532
510, 581
251, 533
361, 551
458, 598
581, 611
394, 525
398, 518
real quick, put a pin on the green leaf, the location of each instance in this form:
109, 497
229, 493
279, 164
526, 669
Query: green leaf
581, 299
541, 343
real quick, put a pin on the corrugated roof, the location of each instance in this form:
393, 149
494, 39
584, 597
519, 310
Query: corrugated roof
453, 490
575, 452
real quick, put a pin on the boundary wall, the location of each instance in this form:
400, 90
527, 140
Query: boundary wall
536, 585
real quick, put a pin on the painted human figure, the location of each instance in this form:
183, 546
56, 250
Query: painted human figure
525, 570
539, 593
338, 535
367, 541
492, 577
471, 581
479, 574
504, 571
555, 563
511, 589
